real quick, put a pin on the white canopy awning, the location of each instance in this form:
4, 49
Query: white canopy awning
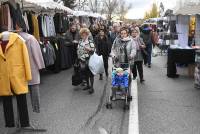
89, 14
80, 13
187, 7
45, 4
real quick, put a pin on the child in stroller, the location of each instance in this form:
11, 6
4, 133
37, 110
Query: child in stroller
120, 80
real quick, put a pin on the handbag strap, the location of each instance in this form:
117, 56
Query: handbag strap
125, 52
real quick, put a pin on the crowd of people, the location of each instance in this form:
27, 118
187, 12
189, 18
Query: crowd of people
125, 43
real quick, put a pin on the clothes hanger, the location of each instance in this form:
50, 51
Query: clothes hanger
5, 36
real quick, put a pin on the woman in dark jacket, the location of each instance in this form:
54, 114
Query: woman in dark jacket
103, 47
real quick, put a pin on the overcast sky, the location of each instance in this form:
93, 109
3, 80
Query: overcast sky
140, 6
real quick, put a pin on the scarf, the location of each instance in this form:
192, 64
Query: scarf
137, 42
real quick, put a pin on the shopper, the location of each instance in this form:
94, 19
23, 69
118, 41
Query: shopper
94, 29
85, 49
123, 51
103, 47
115, 32
73, 37
138, 60
124, 48
155, 39
146, 35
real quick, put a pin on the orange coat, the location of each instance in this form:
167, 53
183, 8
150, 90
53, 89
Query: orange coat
15, 71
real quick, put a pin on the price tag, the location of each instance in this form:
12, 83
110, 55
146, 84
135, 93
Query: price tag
56, 46
44, 49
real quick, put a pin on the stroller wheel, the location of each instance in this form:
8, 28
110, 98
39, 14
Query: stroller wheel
130, 98
109, 105
126, 107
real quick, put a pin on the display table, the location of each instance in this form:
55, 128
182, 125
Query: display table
185, 56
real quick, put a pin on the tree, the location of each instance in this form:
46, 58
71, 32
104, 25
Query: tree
68, 3
146, 16
111, 7
124, 7
93, 5
153, 13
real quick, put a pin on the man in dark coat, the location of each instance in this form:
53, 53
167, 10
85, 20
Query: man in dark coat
115, 32
72, 38
146, 35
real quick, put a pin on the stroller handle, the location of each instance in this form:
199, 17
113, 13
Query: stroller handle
123, 65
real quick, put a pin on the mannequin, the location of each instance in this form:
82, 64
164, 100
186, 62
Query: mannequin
37, 63
14, 81
5, 36
7, 91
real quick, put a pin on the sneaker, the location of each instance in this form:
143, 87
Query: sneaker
83, 84
149, 66
86, 88
141, 81
91, 91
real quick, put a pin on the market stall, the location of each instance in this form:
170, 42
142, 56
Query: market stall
186, 16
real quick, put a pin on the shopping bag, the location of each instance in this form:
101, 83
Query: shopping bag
76, 77
96, 64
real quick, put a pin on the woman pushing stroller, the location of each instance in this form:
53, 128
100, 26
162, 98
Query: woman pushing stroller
123, 53
124, 48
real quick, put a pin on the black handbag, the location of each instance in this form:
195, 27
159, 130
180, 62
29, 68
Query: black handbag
76, 77
144, 52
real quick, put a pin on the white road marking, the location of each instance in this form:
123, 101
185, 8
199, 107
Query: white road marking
133, 113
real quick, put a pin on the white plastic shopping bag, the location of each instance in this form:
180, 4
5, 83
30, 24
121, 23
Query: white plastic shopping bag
96, 64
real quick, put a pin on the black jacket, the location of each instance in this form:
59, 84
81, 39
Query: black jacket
61, 23
69, 37
16, 16
103, 46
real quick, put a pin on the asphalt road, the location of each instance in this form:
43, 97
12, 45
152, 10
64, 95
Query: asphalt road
168, 106
69, 110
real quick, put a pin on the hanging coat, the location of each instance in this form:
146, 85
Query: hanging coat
35, 57
15, 70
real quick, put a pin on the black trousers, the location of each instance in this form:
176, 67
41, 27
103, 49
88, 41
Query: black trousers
145, 59
74, 53
22, 110
138, 65
105, 60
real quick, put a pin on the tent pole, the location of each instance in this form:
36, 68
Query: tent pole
22, 5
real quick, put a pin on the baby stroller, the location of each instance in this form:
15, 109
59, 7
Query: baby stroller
121, 85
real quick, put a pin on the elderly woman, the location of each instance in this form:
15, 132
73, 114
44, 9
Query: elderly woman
85, 49
123, 51
138, 60
124, 48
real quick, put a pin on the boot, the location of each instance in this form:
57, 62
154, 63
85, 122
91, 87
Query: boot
91, 91
101, 77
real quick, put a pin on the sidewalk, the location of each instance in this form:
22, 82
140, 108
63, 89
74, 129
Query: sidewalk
168, 106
